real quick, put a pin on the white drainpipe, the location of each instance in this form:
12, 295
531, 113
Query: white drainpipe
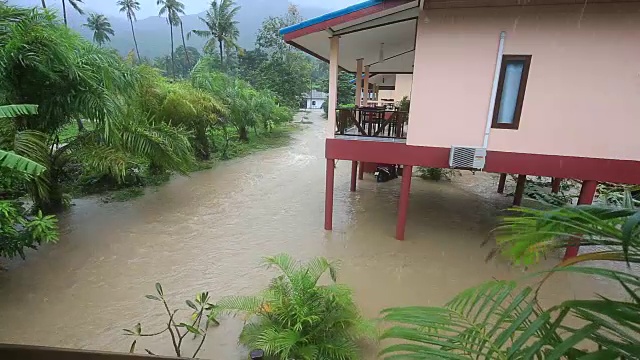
494, 91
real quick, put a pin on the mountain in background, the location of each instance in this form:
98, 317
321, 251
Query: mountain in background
152, 33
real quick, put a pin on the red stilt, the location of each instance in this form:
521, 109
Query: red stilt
587, 192
555, 185
328, 200
403, 204
517, 197
354, 173
361, 171
503, 179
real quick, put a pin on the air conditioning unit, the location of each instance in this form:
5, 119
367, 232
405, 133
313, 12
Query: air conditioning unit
467, 157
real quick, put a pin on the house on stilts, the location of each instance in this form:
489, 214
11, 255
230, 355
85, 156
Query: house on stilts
527, 87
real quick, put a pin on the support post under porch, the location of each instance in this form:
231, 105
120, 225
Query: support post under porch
517, 197
555, 185
587, 192
403, 204
354, 174
501, 182
328, 196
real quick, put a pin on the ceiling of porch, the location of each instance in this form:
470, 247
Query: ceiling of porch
390, 33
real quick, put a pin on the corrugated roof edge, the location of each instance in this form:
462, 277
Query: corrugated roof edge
329, 16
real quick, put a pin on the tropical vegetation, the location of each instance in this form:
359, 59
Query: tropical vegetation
296, 317
505, 320
96, 121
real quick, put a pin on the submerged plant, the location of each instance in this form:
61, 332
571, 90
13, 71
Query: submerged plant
296, 318
202, 317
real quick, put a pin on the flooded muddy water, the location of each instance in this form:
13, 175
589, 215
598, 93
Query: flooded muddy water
209, 231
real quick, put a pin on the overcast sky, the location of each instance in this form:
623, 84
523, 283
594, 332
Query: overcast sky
149, 8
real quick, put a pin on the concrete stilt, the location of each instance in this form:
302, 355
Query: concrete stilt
501, 182
587, 192
403, 204
328, 200
354, 174
517, 198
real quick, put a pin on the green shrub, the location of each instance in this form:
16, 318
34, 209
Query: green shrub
296, 318
19, 231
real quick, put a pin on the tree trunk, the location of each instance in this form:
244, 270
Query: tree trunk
173, 59
221, 59
44, 4
64, 11
203, 151
184, 44
80, 125
135, 42
243, 134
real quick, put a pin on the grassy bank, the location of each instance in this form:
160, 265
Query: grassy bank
135, 185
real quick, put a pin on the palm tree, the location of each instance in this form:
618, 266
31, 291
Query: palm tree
502, 320
297, 318
75, 4
130, 7
171, 8
44, 4
221, 26
101, 28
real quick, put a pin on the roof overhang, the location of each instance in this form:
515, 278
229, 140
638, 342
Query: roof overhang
367, 31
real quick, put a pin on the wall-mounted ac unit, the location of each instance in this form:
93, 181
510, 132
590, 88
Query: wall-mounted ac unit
467, 157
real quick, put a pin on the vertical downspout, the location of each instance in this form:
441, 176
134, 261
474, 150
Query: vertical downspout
494, 90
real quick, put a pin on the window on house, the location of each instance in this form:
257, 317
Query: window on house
511, 86
313, 103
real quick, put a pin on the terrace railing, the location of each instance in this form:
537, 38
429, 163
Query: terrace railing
372, 122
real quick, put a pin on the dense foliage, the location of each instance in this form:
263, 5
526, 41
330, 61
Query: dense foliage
107, 122
297, 318
502, 320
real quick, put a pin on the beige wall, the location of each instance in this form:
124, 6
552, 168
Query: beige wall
583, 91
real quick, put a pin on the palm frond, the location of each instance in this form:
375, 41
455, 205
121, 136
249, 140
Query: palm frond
11, 160
10, 111
235, 304
530, 234
493, 320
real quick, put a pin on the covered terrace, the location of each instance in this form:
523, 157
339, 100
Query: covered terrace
376, 41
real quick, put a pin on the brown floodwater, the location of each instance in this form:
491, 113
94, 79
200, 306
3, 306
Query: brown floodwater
209, 231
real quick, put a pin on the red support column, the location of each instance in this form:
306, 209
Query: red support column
503, 179
354, 173
517, 197
587, 192
403, 204
328, 199
555, 185
361, 171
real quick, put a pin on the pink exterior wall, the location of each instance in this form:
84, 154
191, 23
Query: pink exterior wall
583, 91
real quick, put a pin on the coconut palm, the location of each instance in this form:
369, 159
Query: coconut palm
130, 7
44, 4
172, 9
179, 10
101, 28
221, 26
501, 320
296, 318
75, 4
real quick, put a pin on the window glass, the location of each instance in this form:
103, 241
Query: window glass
510, 90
